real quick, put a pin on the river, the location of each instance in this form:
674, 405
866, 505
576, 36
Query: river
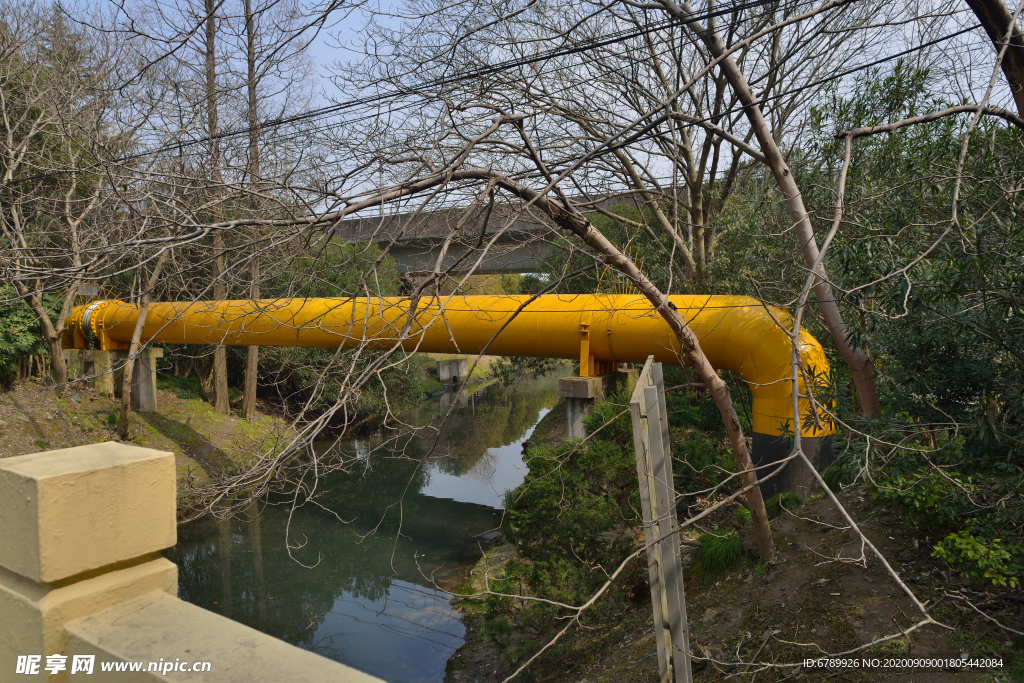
371, 599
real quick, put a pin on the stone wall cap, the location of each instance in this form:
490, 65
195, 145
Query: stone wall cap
78, 459
67, 512
161, 625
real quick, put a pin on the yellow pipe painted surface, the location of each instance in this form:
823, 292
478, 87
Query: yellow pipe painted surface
736, 333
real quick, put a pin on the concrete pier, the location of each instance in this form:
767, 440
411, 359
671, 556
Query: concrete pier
580, 394
453, 371
104, 372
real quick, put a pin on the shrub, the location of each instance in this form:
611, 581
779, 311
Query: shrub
932, 498
839, 475
19, 333
572, 520
983, 560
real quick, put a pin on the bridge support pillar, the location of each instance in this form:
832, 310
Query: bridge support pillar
580, 394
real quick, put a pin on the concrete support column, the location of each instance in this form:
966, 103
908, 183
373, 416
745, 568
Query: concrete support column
108, 368
453, 371
144, 380
96, 368
580, 394
74, 360
795, 477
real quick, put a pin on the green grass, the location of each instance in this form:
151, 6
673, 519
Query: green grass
718, 553
431, 385
1015, 666
743, 515
183, 387
790, 501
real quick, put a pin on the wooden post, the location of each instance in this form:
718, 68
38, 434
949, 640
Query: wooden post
657, 502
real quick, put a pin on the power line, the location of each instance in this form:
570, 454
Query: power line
561, 162
618, 37
821, 81
557, 163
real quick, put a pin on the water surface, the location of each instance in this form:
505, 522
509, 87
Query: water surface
371, 599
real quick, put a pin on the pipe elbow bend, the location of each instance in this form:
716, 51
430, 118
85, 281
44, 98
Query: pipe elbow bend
743, 335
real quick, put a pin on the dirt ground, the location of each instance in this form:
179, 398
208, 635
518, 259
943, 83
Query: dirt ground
766, 619
33, 419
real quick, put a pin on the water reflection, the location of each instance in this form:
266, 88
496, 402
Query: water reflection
371, 600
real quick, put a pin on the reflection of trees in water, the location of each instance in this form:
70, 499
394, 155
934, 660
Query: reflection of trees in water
436, 533
359, 560
200, 582
498, 418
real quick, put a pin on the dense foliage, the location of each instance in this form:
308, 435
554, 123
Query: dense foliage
575, 518
572, 521
19, 334
945, 332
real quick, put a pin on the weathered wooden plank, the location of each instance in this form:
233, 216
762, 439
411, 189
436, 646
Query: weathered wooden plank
668, 528
683, 639
637, 410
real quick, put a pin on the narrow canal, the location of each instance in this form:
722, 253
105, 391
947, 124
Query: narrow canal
368, 602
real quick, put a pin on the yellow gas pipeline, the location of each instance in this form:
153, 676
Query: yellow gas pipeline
736, 333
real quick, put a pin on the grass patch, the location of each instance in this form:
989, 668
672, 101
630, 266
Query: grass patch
743, 515
719, 552
790, 501
182, 387
1016, 664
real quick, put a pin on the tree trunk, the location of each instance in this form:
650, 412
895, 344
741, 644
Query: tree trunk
50, 333
252, 356
691, 349
124, 420
857, 360
221, 402
220, 361
592, 237
252, 352
995, 18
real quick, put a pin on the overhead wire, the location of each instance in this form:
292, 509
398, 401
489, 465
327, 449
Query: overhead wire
609, 39
552, 164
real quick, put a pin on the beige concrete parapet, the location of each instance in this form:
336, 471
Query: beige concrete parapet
81, 530
74, 510
158, 626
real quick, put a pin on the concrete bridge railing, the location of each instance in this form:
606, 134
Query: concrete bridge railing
84, 589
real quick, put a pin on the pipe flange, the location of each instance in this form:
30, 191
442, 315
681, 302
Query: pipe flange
87, 328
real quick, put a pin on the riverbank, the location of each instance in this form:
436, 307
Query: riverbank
798, 607
34, 419
804, 604
204, 442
